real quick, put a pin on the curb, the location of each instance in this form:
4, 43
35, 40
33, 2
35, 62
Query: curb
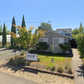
49, 72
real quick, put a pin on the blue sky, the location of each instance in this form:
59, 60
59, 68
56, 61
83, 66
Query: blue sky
61, 13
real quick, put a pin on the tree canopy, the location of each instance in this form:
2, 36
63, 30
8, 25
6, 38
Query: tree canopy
45, 26
26, 38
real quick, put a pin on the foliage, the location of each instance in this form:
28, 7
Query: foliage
18, 61
23, 22
23, 25
1, 30
52, 67
75, 31
45, 26
43, 45
80, 42
4, 36
33, 51
48, 66
65, 46
28, 63
22, 53
60, 69
11, 59
26, 38
67, 65
13, 29
70, 70
52, 48
15, 57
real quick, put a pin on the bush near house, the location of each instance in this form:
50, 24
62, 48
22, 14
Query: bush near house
65, 46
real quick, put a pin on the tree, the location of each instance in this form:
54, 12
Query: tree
1, 30
13, 29
81, 28
75, 31
4, 36
81, 24
45, 26
26, 38
80, 42
23, 22
23, 25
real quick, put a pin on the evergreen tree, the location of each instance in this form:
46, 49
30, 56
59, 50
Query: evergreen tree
81, 24
13, 29
23, 25
4, 36
23, 22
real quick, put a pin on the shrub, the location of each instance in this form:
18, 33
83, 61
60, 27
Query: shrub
67, 65
11, 59
52, 67
65, 46
48, 66
60, 69
15, 57
70, 70
22, 53
52, 49
33, 51
18, 61
28, 63
42, 45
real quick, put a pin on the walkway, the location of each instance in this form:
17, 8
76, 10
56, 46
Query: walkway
10, 79
77, 63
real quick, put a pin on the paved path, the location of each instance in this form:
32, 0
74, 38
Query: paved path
10, 79
7, 78
77, 63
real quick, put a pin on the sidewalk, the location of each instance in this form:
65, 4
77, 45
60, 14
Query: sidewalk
10, 79
77, 63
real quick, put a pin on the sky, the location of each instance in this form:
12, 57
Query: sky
60, 13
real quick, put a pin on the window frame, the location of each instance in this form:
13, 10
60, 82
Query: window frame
59, 39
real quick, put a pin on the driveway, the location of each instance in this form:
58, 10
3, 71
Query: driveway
7, 78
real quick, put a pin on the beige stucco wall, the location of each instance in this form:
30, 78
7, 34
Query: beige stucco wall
50, 37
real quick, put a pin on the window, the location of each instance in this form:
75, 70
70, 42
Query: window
57, 41
65, 40
43, 40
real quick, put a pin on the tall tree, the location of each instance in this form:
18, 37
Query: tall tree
1, 30
81, 28
23, 22
4, 36
45, 26
23, 25
13, 29
81, 24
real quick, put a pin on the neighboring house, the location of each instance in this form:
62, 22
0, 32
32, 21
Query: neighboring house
55, 38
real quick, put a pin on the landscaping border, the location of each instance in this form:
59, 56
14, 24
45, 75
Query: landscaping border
49, 72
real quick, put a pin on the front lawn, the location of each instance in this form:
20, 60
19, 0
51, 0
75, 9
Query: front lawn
61, 63
58, 59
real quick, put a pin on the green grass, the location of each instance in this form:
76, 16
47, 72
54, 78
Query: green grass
82, 59
46, 58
